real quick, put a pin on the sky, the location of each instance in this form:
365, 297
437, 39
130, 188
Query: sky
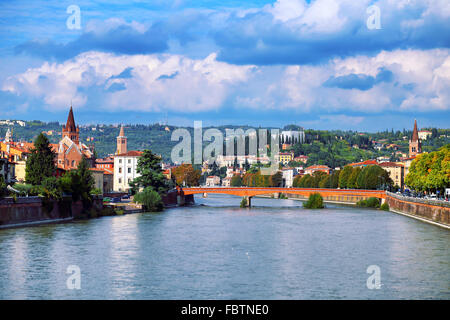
323, 64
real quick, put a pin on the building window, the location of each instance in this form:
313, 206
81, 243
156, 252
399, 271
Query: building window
120, 180
120, 160
129, 170
120, 169
129, 160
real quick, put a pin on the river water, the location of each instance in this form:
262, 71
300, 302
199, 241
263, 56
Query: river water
216, 250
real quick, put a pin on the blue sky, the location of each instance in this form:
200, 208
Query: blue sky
315, 63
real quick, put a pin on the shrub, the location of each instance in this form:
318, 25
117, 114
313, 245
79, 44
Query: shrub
371, 202
24, 189
384, 207
96, 191
315, 201
150, 200
3, 190
244, 203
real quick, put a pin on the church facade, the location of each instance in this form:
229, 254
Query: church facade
70, 149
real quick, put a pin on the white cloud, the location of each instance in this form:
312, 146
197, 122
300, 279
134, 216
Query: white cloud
420, 82
157, 82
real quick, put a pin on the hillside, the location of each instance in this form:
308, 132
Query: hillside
332, 148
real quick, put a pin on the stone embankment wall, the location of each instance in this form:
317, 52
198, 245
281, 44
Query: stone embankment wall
34, 210
437, 212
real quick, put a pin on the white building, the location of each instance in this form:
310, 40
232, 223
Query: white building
212, 181
298, 136
288, 177
228, 161
125, 166
226, 182
424, 134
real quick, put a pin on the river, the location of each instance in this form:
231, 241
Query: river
216, 250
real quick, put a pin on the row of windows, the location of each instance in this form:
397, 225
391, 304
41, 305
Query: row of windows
120, 170
67, 162
120, 160
120, 180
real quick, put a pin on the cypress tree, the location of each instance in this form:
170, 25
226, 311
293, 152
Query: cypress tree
41, 162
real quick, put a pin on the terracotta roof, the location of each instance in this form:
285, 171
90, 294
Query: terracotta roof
104, 160
318, 166
364, 163
390, 164
132, 153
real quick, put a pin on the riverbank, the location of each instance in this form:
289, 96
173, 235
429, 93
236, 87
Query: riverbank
422, 210
31, 211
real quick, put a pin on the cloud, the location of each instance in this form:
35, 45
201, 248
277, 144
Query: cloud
397, 81
287, 32
359, 81
124, 82
296, 32
121, 39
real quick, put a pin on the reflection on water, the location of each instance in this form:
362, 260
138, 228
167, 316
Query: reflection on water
216, 250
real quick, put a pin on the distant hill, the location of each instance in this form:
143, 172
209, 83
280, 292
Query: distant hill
333, 148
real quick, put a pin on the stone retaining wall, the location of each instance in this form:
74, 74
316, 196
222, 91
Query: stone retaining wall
427, 210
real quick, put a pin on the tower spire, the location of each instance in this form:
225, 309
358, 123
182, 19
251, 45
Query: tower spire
70, 125
415, 146
121, 142
415, 135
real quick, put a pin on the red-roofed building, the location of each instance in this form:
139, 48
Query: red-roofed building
105, 163
396, 172
317, 167
364, 163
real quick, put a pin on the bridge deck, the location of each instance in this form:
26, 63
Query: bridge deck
253, 191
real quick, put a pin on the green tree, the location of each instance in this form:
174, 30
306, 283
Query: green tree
430, 171
315, 201
79, 183
150, 200
352, 182
276, 179
186, 174
374, 177
317, 177
41, 162
344, 176
236, 181
325, 181
3, 185
149, 168
334, 179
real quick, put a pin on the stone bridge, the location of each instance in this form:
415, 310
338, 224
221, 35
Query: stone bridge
249, 192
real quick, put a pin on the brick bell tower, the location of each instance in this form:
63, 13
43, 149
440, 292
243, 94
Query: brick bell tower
415, 146
70, 130
121, 142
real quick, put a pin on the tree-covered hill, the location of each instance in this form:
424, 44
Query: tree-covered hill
333, 148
